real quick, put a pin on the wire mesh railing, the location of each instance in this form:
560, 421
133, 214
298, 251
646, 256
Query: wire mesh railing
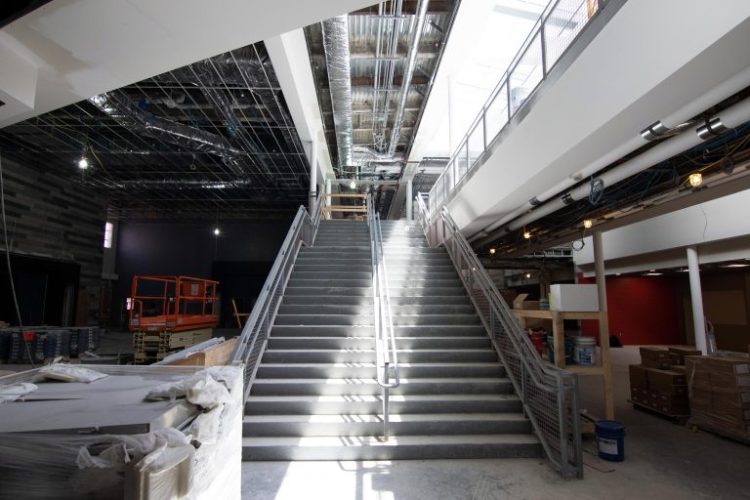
254, 337
385, 341
549, 394
556, 29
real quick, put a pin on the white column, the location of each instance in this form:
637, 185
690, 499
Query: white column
313, 175
606, 362
328, 199
409, 200
696, 299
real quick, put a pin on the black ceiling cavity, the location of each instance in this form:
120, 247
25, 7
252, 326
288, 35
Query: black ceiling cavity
10, 10
211, 139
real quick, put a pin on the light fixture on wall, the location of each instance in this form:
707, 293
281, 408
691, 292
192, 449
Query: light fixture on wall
695, 179
588, 223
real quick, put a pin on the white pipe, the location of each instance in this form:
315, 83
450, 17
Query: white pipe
409, 207
729, 118
696, 299
715, 95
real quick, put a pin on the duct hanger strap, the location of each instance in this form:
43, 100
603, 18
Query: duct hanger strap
711, 128
655, 131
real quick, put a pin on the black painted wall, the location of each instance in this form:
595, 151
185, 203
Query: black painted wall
240, 257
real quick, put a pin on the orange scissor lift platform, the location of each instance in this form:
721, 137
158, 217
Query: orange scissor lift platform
168, 313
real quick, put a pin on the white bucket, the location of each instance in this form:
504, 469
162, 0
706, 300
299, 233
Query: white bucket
585, 351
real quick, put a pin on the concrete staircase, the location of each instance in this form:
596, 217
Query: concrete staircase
316, 397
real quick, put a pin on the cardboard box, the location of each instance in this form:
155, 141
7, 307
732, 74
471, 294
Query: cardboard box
638, 377
678, 353
665, 380
654, 357
573, 298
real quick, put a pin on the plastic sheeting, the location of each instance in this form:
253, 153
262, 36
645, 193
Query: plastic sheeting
200, 461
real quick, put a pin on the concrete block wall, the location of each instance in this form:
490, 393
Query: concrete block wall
57, 217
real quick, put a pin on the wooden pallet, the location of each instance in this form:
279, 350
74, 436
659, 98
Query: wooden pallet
740, 437
677, 419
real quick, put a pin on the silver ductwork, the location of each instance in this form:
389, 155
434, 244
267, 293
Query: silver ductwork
336, 46
129, 115
411, 64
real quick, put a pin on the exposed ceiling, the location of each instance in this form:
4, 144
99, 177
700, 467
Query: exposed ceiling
379, 45
210, 139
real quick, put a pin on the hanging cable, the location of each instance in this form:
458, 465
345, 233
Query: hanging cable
6, 242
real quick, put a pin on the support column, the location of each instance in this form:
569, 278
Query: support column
409, 202
606, 362
696, 300
313, 176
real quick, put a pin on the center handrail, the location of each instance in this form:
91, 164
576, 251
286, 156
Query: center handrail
385, 342
549, 394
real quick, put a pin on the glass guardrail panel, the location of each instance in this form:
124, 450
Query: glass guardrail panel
527, 74
563, 24
496, 115
476, 143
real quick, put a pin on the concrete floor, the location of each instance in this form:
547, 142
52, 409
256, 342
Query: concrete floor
663, 460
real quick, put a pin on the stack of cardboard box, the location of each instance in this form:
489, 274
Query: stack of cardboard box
660, 382
720, 394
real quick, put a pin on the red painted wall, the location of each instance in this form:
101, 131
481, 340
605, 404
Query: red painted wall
643, 310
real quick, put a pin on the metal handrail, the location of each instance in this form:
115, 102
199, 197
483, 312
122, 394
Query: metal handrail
385, 343
254, 337
549, 394
464, 158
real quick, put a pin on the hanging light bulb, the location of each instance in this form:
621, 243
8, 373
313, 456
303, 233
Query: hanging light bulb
217, 231
83, 163
527, 235
588, 223
695, 179
492, 251
528, 276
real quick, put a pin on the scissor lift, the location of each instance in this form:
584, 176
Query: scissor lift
168, 313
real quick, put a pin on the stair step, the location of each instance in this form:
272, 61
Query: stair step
372, 425
314, 291
369, 370
332, 275
337, 282
369, 319
368, 355
368, 386
400, 404
369, 331
427, 291
367, 308
453, 300
396, 448
312, 343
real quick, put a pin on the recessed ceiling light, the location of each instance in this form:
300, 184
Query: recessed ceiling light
652, 274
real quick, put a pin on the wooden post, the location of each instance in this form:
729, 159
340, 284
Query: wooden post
558, 334
606, 362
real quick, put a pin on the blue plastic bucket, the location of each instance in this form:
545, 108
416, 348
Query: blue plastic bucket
610, 440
